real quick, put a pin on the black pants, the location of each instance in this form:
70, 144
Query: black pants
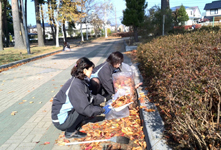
71, 124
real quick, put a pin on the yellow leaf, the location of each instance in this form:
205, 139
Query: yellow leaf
13, 113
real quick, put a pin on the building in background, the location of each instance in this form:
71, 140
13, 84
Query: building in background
213, 11
193, 13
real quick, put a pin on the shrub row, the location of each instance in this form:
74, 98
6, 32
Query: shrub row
183, 74
186, 27
123, 34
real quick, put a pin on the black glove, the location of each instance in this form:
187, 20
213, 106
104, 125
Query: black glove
108, 97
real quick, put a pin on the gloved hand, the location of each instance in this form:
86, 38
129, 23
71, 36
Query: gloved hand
107, 109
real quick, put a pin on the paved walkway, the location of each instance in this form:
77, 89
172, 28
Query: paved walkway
27, 90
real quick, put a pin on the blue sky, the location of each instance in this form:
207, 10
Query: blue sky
120, 6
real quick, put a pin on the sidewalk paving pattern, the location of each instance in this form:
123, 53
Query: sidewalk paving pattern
37, 82
28, 89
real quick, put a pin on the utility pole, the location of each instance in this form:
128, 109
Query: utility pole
165, 4
115, 20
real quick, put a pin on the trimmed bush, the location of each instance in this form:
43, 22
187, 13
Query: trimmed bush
183, 74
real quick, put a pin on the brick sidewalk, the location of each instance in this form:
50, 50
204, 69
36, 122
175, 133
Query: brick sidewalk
28, 89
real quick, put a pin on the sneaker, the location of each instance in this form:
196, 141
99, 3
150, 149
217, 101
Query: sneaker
76, 134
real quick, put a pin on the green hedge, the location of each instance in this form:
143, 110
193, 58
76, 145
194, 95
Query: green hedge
183, 74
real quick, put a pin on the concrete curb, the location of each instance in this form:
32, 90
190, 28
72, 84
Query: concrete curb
153, 125
32, 58
27, 60
129, 48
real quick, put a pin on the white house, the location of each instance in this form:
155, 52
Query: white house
122, 28
33, 30
193, 13
213, 11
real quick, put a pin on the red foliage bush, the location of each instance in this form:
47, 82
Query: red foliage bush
183, 74
186, 27
123, 34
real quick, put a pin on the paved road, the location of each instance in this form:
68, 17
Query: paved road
28, 89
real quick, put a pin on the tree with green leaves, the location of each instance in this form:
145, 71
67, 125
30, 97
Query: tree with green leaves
180, 16
70, 29
153, 22
133, 15
7, 21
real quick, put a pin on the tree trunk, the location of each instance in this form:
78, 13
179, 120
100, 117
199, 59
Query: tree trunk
50, 19
55, 29
82, 36
57, 26
6, 24
19, 43
64, 32
26, 12
21, 21
43, 22
38, 23
1, 43
25, 28
135, 35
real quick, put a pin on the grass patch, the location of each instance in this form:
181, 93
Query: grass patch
10, 54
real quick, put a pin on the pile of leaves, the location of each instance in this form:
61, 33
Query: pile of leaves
129, 127
183, 74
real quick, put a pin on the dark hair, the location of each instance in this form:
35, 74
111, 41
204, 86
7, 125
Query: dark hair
115, 58
65, 43
81, 64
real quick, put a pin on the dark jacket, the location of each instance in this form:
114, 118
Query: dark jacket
105, 76
77, 99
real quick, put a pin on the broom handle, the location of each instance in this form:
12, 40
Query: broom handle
72, 143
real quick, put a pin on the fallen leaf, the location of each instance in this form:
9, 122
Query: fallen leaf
24, 100
40, 102
13, 113
33, 97
143, 106
45, 143
31, 102
149, 110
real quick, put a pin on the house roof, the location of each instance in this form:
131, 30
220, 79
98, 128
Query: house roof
213, 5
46, 25
186, 7
177, 7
